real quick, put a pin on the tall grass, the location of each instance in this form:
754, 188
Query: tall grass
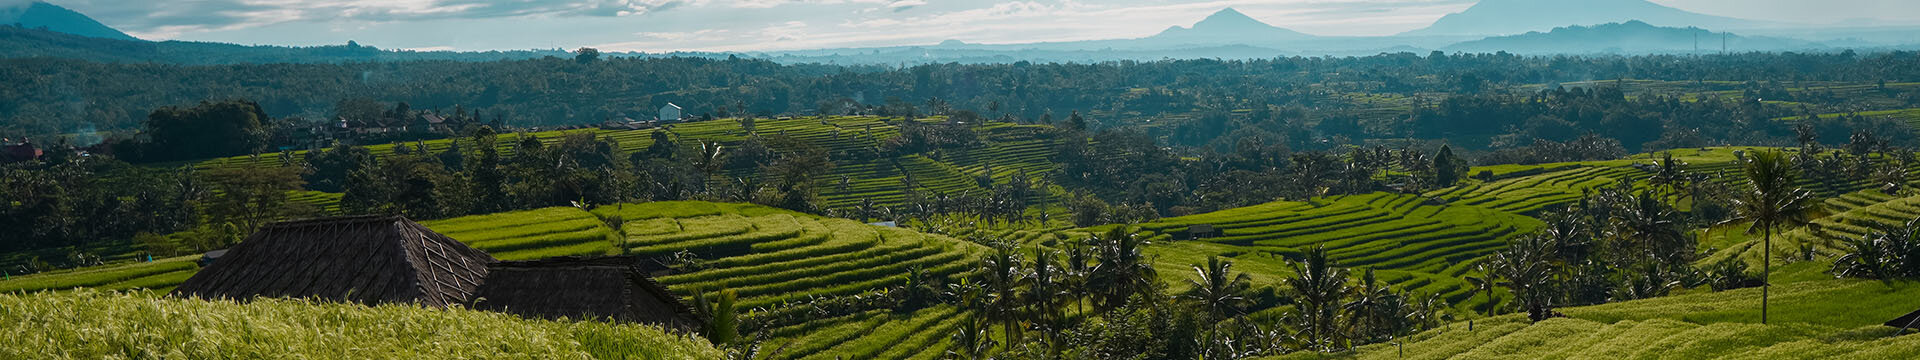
94, 325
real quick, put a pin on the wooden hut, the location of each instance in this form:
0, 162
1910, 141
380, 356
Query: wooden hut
612, 287
361, 259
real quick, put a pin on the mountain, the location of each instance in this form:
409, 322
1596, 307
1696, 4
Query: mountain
1509, 17
1628, 37
58, 19
1227, 27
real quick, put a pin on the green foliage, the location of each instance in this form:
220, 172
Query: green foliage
210, 129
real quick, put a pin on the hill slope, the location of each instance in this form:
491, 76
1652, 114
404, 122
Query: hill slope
1506, 17
1226, 27
59, 19
1629, 37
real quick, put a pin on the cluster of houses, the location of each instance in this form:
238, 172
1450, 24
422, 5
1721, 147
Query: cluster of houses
668, 114
426, 123
387, 259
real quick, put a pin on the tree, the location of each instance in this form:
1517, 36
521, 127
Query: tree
586, 55
210, 129
252, 197
489, 182
1121, 273
1316, 288
1772, 201
1526, 269
1003, 279
1218, 289
1076, 122
1447, 168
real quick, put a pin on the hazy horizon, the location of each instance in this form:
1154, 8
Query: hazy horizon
757, 25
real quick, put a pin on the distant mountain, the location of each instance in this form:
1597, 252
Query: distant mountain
18, 42
1227, 27
1508, 17
58, 19
1628, 37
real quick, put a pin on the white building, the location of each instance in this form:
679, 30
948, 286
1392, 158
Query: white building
670, 113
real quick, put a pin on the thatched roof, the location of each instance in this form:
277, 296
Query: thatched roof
361, 259
613, 287
1911, 319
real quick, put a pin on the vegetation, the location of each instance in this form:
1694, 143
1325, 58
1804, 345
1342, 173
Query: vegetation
90, 324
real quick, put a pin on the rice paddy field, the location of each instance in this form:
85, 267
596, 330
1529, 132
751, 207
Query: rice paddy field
853, 141
1807, 323
1411, 243
770, 257
90, 324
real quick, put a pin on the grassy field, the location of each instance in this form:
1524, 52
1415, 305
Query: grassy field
1808, 323
96, 325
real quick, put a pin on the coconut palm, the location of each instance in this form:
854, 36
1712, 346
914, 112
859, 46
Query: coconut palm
1045, 288
1003, 280
1316, 288
1484, 284
1218, 289
1121, 273
1772, 201
1525, 269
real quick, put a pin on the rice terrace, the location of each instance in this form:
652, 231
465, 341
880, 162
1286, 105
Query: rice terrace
967, 179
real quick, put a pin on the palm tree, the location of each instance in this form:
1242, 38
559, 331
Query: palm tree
1004, 278
1371, 308
1772, 201
1526, 270
1120, 273
1044, 289
1219, 289
1668, 175
1316, 287
1484, 284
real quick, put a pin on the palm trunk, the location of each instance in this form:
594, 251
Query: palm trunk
1766, 273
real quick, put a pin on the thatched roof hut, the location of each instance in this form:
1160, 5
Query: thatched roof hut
612, 287
362, 259
1907, 321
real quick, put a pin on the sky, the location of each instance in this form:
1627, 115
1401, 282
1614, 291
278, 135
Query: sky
757, 25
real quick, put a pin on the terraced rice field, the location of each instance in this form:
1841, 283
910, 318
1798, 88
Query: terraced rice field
872, 335
769, 256
1842, 225
1534, 193
1808, 323
774, 257
861, 173
1418, 246
161, 275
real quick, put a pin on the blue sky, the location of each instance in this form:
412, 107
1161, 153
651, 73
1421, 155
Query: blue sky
745, 25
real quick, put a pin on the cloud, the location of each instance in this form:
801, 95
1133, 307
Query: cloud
166, 19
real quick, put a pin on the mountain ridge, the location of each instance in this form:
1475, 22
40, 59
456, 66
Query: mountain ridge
1513, 17
39, 14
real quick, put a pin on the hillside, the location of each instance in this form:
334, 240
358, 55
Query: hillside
1226, 27
861, 173
1693, 326
1507, 17
93, 325
39, 15
774, 259
1628, 37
